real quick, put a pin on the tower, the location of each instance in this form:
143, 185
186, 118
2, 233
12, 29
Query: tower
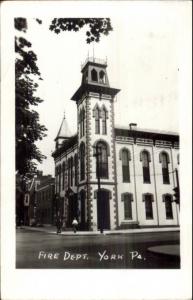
95, 111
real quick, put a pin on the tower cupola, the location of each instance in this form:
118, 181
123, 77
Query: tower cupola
64, 133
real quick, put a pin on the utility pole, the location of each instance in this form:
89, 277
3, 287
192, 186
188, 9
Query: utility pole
97, 154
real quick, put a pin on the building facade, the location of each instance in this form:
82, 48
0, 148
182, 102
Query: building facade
109, 177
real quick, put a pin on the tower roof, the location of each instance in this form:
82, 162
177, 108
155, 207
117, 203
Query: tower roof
64, 131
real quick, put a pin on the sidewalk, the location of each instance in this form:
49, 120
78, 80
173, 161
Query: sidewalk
69, 232
173, 250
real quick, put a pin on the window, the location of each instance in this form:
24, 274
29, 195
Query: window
125, 156
145, 158
164, 159
97, 120
59, 178
102, 77
167, 198
63, 178
82, 122
82, 161
148, 199
127, 198
178, 158
102, 170
104, 120
69, 171
76, 169
94, 75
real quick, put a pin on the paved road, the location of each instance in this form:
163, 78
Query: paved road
43, 250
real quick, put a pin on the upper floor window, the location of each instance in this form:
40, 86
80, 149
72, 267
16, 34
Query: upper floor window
102, 77
63, 177
82, 122
96, 114
94, 75
104, 116
59, 178
125, 157
76, 169
164, 160
102, 166
127, 198
178, 158
145, 158
167, 198
148, 199
71, 171
82, 161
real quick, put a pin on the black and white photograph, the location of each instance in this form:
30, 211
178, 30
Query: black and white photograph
96, 131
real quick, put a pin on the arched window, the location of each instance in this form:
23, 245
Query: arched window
148, 199
80, 122
69, 172
145, 158
56, 179
82, 161
96, 114
167, 198
127, 198
102, 168
178, 158
76, 169
63, 177
59, 178
104, 116
125, 157
102, 77
94, 75
164, 160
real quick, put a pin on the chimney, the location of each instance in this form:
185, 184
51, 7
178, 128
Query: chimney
132, 126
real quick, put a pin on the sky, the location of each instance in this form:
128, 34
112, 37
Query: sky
143, 57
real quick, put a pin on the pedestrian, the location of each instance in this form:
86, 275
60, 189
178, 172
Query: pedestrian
59, 225
75, 225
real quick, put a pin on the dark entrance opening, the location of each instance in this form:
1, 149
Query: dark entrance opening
103, 210
82, 225
72, 209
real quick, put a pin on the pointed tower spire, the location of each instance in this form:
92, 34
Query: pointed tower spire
64, 132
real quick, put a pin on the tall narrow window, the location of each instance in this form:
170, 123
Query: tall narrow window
167, 198
127, 198
97, 120
148, 199
83, 121
59, 178
125, 156
145, 158
94, 75
82, 161
102, 170
104, 120
80, 122
63, 177
75, 169
56, 179
69, 172
164, 159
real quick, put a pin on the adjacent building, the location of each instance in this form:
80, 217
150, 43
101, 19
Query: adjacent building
110, 177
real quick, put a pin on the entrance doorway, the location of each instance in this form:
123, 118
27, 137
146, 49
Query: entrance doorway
72, 209
103, 209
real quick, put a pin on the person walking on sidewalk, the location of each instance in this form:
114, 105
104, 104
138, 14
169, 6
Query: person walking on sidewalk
74, 225
59, 225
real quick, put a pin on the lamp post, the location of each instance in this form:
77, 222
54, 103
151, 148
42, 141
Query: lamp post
97, 154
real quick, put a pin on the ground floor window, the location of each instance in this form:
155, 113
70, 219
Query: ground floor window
127, 199
148, 199
168, 206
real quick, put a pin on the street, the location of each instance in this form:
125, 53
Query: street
40, 250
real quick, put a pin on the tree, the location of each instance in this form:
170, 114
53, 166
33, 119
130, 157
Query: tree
96, 26
28, 128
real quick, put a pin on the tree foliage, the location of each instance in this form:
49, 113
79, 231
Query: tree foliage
96, 26
28, 128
